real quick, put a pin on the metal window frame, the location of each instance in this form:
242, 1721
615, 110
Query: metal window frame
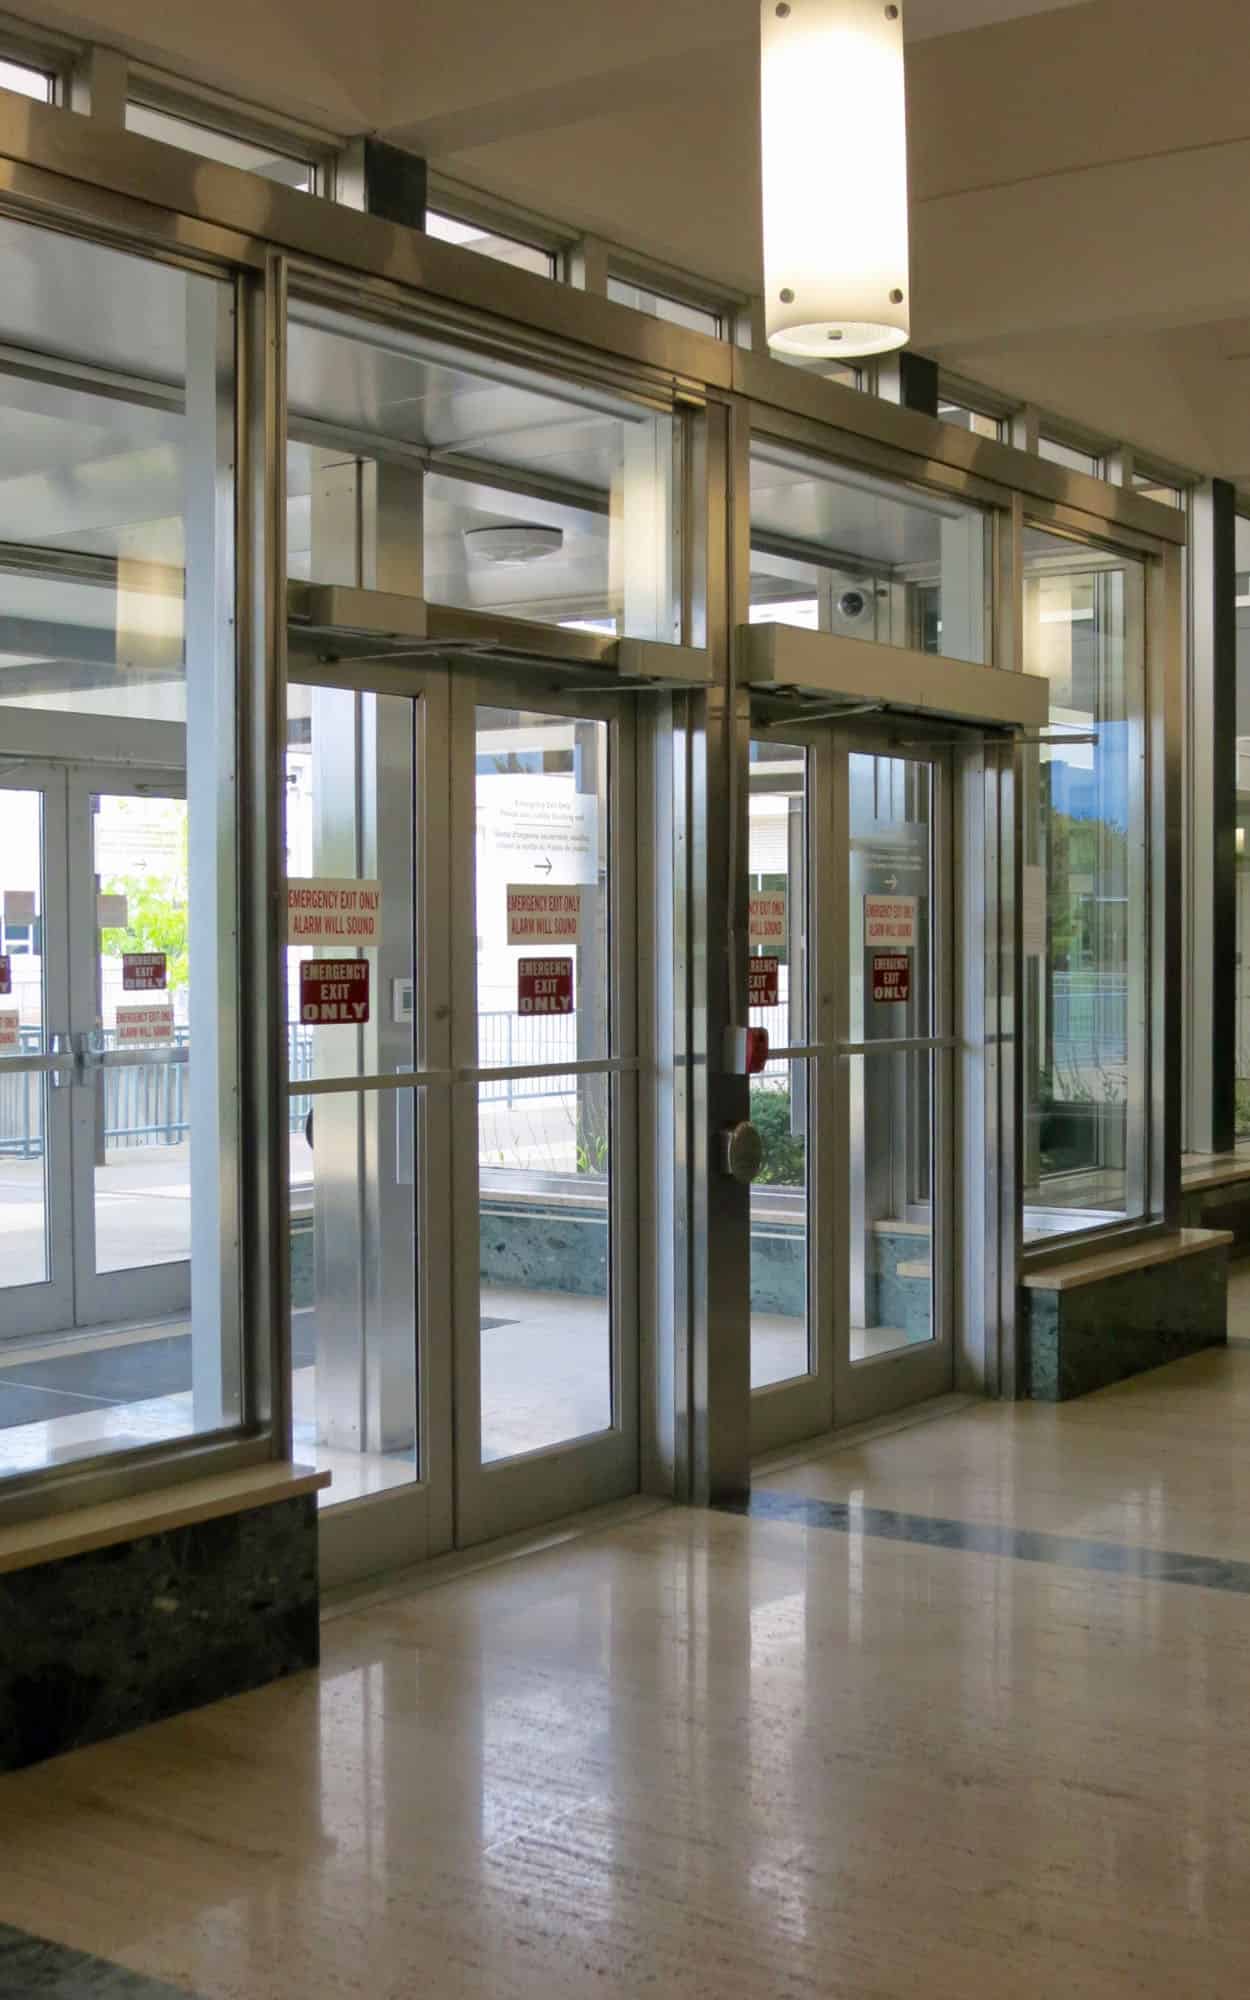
498, 217
258, 1276
54, 55
155, 89
78, 176
1155, 1128
727, 307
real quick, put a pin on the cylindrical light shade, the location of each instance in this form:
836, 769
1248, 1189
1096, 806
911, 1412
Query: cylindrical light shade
834, 156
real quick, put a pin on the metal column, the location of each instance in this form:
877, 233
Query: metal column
213, 858
1211, 1014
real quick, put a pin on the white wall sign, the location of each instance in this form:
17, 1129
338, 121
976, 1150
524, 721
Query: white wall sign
544, 916
151, 1023
19, 906
112, 913
890, 920
766, 912
324, 910
545, 836
10, 1031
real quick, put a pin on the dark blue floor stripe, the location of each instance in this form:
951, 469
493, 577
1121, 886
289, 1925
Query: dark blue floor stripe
33, 1968
989, 1539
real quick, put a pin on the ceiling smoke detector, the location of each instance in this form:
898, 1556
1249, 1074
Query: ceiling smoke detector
513, 546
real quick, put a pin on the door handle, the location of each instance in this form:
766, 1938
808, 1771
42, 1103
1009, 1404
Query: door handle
62, 1074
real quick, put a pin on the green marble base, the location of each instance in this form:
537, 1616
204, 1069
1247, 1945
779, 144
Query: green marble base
100, 1643
1099, 1333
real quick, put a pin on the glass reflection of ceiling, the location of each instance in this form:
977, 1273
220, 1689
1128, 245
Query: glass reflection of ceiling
390, 386
849, 513
65, 297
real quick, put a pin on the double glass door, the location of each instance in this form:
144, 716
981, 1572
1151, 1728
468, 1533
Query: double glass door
851, 972
95, 1210
462, 1084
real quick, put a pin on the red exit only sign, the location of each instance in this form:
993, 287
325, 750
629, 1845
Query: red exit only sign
544, 986
334, 991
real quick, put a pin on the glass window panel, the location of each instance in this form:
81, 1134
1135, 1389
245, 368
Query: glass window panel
143, 1111
879, 561
699, 319
26, 80
1071, 455
778, 863
891, 1243
979, 422
535, 502
115, 513
544, 1142
546, 1243
489, 243
211, 144
1084, 886
1151, 487
542, 876
890, 951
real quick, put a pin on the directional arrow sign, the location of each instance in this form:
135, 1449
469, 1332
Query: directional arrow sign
543, 867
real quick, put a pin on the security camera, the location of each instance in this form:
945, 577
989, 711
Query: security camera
852, 604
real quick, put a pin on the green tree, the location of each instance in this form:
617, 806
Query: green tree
157, 922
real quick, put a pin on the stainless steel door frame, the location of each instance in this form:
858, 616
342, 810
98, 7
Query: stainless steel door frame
140, 1292
413, 1521
837, 1391
513, 1494
783, 1413
47, 1306
873, 1386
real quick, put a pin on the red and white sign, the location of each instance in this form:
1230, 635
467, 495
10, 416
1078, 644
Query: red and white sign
6, 973
334, 992
10, 1031
154, 1023
144, 972
544, 986
891, 975
544, 916
326, 911
766, 918
890, 920
763, 981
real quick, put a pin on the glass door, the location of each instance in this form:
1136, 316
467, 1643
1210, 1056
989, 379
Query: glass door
545, 1146
129, 964
850, 970
462, 1084
897, 1177
36, 1182
94, 1033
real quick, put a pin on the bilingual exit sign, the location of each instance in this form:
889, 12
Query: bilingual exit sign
334, 992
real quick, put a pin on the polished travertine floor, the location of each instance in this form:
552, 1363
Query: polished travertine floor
697, 1754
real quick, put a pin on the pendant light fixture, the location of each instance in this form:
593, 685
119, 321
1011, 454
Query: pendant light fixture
834, 157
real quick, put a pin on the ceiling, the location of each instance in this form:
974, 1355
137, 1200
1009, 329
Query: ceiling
1079, 236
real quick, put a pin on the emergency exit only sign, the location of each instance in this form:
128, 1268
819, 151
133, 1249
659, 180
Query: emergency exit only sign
891, 975
334, 992
544, 986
